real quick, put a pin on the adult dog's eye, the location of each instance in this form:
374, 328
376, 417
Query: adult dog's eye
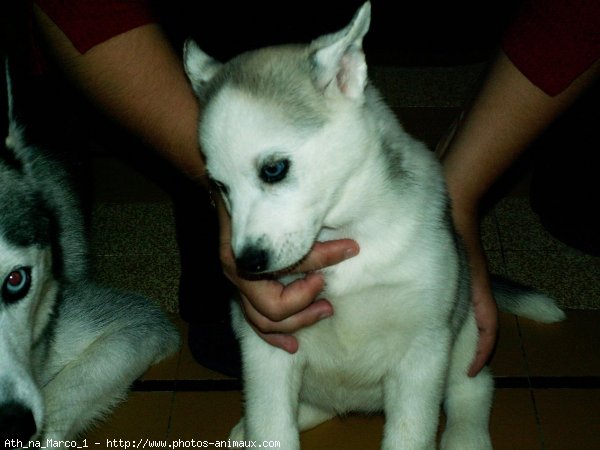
275, 171
16, 285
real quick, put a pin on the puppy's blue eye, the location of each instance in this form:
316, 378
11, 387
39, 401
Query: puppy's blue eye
16, 285
274, 171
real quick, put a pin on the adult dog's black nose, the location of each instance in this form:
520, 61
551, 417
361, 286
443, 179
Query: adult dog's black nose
252, 260
17, 425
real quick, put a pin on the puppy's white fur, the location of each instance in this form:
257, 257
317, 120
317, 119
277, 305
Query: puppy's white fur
403, 334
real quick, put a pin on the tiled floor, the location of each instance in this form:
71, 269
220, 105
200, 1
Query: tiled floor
548, 396
548, 376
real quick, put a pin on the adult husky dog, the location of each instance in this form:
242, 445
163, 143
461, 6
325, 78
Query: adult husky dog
303, 149
69, 349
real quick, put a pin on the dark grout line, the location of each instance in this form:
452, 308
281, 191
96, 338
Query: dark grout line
186, 385
582, 382
562, 382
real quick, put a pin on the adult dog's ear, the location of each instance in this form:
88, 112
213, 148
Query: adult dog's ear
199, 67
338, 60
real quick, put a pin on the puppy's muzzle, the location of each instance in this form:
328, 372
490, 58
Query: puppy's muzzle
252, 261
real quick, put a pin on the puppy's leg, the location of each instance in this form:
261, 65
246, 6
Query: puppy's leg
413, 393
309, 416
272, 380
468, 400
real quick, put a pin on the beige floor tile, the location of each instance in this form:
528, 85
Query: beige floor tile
569, 348
145, 415
348, 433
513, 422
209, 416
205, 415
570, 419
508, 359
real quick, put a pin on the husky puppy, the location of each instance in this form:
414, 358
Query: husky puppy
303, 150
69, 349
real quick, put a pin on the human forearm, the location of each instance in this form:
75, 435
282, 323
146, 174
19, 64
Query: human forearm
507, 115
138, 80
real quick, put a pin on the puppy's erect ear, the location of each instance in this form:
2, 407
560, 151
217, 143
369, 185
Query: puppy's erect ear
338, 58
199, 67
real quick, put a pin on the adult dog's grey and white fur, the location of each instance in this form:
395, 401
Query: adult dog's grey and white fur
69, 349
303, 149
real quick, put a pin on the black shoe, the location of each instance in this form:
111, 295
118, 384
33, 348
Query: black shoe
214, 346
204, 291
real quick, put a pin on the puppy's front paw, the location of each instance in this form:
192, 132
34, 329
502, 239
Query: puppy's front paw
465, 439
238, 433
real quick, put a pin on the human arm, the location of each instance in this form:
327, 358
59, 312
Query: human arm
508, 113
137, 79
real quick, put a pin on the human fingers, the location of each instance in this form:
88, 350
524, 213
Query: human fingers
485, 347
316, 311
328, 253
486, 314
277, 302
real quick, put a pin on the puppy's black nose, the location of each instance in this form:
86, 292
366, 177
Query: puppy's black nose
252, 260
16, 424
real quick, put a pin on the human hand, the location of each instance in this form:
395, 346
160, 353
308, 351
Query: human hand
484, 304
276, 311
486, 315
